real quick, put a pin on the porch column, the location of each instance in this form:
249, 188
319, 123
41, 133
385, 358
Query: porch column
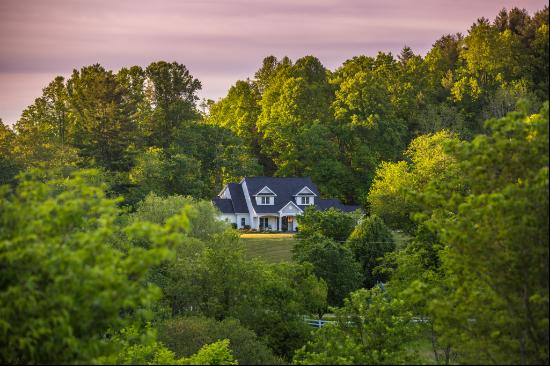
279, 223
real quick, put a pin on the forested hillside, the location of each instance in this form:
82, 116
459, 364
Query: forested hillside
112, 253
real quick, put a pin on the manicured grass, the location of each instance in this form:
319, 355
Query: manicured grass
273, 248
277, 247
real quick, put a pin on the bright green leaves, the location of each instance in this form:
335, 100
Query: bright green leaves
394, 194
63, 285
496, 237
332, 223
135, 348
371, 329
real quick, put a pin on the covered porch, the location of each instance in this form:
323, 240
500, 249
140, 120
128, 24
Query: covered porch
282, 223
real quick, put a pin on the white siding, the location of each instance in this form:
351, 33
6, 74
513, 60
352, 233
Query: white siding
290, 209
239, 220
230, 218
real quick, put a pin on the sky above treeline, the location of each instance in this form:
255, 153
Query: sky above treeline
220, 41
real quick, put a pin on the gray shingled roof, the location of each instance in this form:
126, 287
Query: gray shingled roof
284, 188
237, 196
224, 205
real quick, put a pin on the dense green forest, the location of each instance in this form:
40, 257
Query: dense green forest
111, 252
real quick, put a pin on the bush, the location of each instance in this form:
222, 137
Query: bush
62, 286
186, 335
332, 223
203, 218
371, 240
370, 329
333, 262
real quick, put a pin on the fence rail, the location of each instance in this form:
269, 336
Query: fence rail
318, 323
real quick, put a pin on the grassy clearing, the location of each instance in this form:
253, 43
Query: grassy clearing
272, 248
277, 247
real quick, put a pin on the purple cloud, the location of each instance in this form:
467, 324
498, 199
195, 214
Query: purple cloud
219, 41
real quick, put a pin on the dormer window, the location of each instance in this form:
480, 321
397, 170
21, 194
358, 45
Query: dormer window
265, 197
305, 197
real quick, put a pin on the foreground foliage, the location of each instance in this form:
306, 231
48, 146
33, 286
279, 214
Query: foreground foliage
495, 233
371, 329
62, 286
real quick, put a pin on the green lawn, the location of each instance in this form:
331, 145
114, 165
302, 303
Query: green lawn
277, 247
271, 248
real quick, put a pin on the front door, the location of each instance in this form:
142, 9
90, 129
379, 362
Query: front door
284, 223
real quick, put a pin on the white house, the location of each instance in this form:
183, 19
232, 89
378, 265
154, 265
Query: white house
271, 203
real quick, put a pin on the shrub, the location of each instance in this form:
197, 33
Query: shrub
62, 286
203, 217
333, 262
185, 336
369, 241
332, 223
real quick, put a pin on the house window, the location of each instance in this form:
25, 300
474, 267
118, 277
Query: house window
265, 200
305, 200
243, 222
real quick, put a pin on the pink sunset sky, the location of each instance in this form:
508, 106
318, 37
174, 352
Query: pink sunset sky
219, 41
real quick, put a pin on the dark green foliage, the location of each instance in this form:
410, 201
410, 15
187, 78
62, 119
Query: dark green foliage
337, 127
210, 275
172, 91
331, 223
186, 335
333, 262
102, 127
369, 242
9, 165
79, 277
286, 292
142, 127
220, 157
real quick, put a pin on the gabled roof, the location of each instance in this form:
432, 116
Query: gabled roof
237, 201
266, 191
284, 188
305, 192
291, 204
237, 196
224, 205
